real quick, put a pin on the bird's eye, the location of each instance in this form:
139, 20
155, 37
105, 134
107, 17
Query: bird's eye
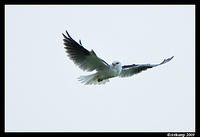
117, 63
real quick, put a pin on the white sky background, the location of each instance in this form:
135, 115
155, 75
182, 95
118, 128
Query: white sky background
42, 90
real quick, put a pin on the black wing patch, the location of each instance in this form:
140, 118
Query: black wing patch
128, 66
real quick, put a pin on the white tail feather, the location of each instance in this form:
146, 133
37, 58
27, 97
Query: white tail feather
92, 79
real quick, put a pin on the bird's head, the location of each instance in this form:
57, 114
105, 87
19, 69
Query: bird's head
116, 63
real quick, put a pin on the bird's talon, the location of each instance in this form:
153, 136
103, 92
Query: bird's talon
99, 80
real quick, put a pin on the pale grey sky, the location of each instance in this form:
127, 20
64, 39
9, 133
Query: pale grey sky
42, 90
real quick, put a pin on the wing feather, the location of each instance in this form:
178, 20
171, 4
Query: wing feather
129, 70
86, 60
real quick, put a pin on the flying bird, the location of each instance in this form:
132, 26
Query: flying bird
89, 61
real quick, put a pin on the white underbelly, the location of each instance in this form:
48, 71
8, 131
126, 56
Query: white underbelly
110, 73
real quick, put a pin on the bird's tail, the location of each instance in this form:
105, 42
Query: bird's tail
92, 79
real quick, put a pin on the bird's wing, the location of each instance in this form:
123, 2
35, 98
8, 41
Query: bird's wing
129, 70
86, 60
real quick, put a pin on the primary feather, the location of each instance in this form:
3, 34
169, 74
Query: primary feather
86, 60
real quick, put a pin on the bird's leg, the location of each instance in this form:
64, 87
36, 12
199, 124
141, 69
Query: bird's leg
99, 80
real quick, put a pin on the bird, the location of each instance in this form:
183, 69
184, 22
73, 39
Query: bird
89, 61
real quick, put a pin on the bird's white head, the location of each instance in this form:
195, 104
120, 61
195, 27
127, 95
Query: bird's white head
116, 63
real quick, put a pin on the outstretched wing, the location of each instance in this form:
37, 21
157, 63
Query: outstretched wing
129, 70
86, 60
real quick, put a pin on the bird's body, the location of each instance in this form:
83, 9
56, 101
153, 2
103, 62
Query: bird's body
102, 76
89, 61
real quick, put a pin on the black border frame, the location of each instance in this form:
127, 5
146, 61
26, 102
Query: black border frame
81, 2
